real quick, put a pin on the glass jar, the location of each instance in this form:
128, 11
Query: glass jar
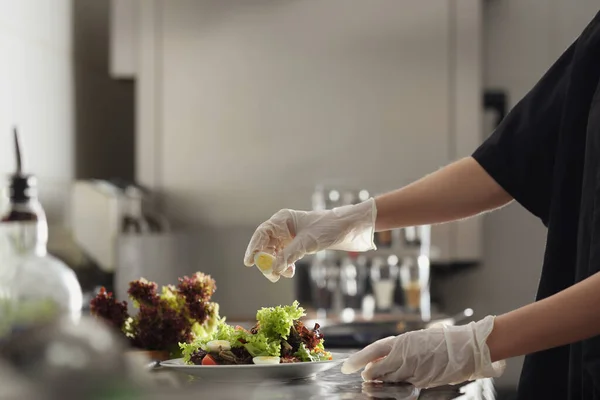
319, 279
384, 276
411, 286
42, 286
8, 268
353, 276
134, 221
414, 278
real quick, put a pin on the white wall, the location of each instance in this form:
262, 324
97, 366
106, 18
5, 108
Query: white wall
262, 100
522, 39
36, 87
75, 121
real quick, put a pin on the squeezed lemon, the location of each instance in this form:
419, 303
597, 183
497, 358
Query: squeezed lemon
264, 262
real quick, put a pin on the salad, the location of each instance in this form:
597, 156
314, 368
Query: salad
277, 337
164, 318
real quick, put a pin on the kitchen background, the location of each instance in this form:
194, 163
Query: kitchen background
230, 110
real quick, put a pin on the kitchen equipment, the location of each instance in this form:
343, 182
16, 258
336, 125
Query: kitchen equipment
353, 276
133, 220
43, 285
411, 285
361, 332
324, 276
415, 272
103, 211
384, 277
116, 227
448, 243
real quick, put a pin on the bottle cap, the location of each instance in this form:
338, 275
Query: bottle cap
22, 187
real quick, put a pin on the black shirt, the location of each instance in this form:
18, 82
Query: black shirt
546, 155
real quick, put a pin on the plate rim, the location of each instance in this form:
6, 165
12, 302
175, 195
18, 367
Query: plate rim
171, 363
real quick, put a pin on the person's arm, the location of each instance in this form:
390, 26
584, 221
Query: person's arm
515, 162
459, 190
567, 317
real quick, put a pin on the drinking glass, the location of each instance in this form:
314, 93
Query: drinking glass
384, 276
414, 278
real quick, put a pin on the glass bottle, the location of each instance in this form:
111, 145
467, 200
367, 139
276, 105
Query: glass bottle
7, 276
134, 221
383, 278
43, 285
318, 277
352, 281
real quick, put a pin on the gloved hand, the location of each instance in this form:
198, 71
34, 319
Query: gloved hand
291, 234
431, 357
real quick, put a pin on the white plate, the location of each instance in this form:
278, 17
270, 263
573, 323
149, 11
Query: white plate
252, 372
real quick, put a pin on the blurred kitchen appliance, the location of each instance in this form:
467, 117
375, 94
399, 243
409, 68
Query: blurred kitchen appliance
392, 279
452, 243
116, 226
358, 298
361, 332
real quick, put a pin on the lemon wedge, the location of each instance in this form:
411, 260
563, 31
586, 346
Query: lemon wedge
264, 262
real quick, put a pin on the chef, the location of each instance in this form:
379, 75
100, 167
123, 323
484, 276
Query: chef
546, 156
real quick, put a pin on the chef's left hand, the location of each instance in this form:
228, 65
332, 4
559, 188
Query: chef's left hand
431, 357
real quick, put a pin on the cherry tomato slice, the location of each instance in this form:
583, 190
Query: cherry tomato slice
208, 360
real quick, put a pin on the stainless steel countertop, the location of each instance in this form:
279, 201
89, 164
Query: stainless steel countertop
331, 384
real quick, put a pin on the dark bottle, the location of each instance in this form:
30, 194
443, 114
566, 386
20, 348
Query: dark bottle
134, 221
22, 195
383, 239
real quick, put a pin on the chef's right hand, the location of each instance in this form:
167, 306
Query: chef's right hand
291, 234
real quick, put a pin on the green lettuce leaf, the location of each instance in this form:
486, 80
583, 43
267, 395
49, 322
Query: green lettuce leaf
187, 350
172, 298
209, 327
219, 330
260, 345
276, 322
316, 354
303, 354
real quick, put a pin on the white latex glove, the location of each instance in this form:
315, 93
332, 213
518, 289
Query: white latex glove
431, 357
290, 234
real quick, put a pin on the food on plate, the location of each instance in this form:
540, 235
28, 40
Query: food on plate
176, 314
265, 360
277, 337
215, 346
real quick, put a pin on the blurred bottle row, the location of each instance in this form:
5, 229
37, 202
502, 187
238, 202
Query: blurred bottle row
393, 278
